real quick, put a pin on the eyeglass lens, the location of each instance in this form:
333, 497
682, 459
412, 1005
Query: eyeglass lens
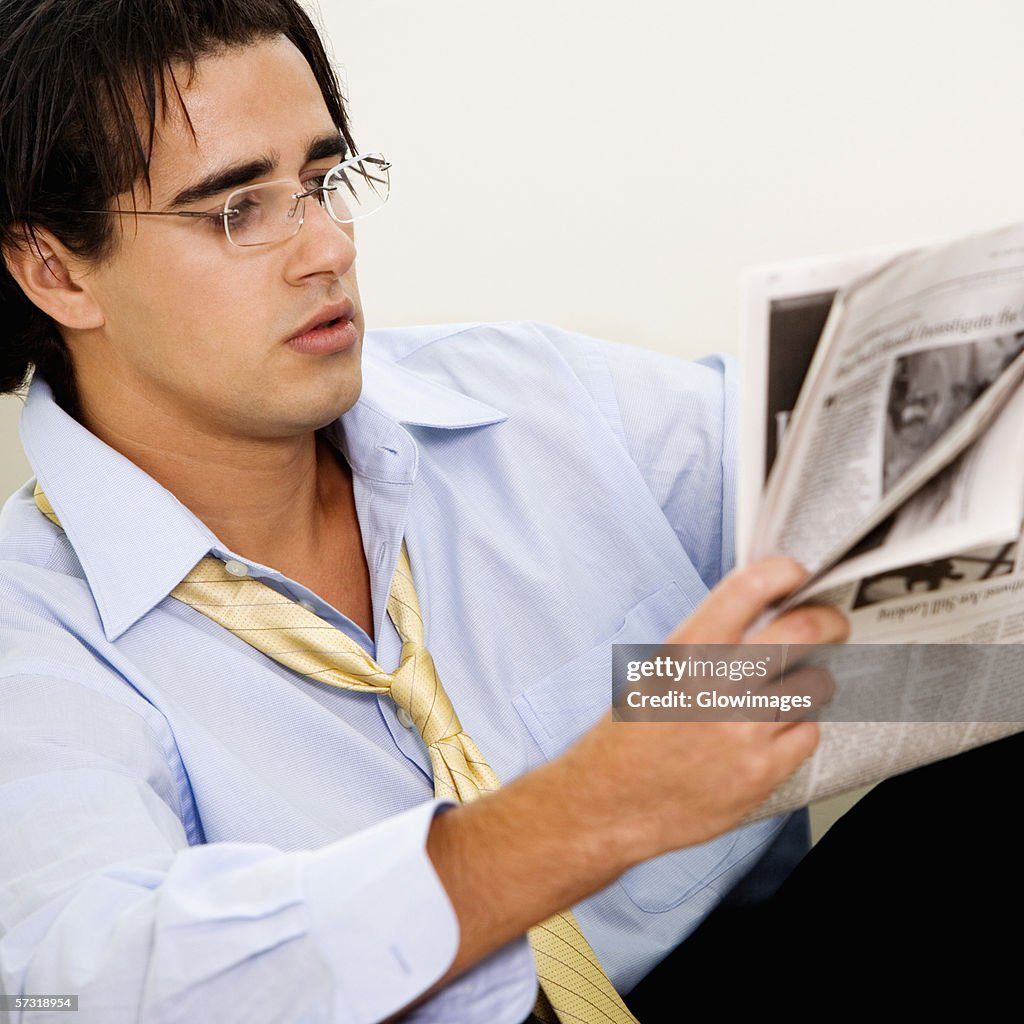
261, 214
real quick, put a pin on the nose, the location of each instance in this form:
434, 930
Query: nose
322, 245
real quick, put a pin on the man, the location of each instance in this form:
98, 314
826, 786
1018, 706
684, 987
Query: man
194, 829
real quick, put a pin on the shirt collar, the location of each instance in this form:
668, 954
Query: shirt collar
135, 541
415, 400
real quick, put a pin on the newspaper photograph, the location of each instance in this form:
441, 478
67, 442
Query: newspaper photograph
966, 507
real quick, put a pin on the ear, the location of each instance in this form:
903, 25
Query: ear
51, 276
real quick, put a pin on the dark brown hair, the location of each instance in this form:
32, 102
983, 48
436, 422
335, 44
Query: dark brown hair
74, 77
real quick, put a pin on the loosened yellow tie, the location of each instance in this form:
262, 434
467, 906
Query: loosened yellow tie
574, 987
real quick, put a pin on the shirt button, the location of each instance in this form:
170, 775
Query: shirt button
405, 718
308, 605
236, 568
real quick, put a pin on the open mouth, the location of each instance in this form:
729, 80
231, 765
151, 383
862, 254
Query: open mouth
328, 336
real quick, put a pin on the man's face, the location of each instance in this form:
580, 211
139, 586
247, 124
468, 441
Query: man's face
200, 336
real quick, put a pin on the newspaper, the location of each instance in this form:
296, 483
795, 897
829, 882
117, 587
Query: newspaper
883, 445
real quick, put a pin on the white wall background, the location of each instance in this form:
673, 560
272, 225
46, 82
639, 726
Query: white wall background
611, 167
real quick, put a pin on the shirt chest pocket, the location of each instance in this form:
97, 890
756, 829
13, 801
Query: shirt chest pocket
559, 708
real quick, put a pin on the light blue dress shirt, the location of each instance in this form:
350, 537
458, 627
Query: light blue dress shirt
193, 832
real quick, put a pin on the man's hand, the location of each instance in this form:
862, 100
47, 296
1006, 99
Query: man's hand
626, 791
667, 785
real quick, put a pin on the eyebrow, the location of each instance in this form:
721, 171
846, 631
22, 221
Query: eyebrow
329, 144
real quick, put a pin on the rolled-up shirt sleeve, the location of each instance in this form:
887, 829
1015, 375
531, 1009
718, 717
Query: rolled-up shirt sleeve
106, 894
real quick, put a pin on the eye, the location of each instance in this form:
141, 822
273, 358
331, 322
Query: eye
214, 220
314, 179
243, 211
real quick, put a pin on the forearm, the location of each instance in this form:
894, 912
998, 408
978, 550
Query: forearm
625, 792
520, 855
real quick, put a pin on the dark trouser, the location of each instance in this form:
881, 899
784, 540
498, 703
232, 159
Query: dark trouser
914, 890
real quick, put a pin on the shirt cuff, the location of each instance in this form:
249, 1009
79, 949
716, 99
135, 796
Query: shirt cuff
388, 931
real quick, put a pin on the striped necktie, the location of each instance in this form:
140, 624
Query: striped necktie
574, 988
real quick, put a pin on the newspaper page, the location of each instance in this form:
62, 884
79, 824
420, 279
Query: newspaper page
913, 363
785, 309
945, 565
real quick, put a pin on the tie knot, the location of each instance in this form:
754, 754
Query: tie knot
416, 688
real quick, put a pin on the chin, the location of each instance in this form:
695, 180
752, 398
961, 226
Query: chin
331, 407
311, 402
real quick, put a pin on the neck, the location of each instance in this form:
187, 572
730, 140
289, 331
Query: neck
274, 501
286, 502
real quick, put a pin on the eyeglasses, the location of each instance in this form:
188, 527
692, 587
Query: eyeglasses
273, 211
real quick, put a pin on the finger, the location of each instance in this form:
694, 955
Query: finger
814, 684
802, 692
725, 614
793, 744
810, 624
